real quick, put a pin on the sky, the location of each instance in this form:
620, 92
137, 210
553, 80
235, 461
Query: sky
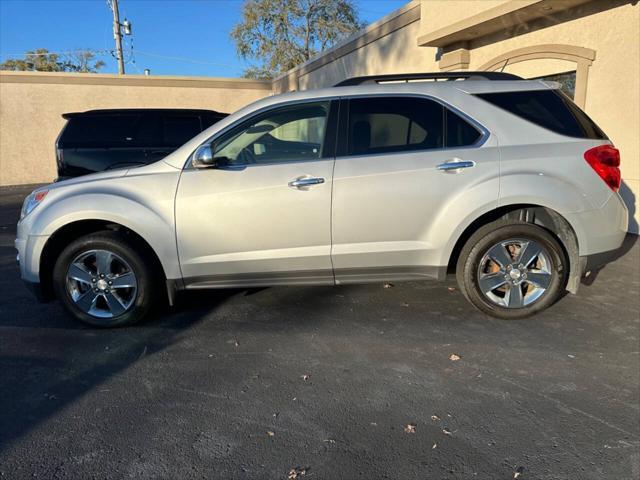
170, 37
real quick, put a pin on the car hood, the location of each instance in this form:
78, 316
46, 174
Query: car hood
92, 177
153, 168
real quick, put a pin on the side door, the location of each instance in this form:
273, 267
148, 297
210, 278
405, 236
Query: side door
263, 216
401, 160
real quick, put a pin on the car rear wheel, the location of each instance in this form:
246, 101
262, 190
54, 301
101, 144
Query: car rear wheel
512, 271
103, 279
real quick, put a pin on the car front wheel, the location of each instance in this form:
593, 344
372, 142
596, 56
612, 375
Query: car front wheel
512, 271
104, 280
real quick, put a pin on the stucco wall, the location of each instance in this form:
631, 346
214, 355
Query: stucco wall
31, 105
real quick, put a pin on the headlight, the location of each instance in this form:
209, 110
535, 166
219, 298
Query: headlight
32, 201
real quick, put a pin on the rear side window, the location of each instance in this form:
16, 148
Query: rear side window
102, 131
549, 109
394, 124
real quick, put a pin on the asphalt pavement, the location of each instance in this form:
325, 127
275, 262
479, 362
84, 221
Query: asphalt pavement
323, 383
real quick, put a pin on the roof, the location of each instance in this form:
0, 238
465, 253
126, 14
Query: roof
116, 111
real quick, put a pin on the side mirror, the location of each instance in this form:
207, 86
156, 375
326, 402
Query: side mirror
203, 157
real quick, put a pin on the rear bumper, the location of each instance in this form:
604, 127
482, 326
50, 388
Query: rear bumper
601, 232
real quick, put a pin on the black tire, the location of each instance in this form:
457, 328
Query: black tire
479, 244
146, 277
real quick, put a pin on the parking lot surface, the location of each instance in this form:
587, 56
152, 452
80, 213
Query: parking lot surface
323, 383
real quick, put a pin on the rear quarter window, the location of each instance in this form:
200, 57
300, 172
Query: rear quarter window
549, 109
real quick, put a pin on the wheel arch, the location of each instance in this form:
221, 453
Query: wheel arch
73, 230
545, 217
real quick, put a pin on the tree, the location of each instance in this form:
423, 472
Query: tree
42, 60
281, 34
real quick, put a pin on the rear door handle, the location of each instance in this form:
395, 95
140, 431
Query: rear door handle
305, 182
454, 165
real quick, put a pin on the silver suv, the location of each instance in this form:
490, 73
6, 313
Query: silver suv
505, 182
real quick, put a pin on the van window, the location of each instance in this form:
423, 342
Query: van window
101, 131
549, 109
394, 124
179, 129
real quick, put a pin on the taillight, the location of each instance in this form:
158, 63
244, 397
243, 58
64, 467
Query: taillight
605, 160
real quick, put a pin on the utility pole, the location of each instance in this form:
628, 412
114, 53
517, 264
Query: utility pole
117, 35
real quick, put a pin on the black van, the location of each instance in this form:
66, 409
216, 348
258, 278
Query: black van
99, 140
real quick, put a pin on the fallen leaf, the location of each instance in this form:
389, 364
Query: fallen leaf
297, 472
410, 428
435, 418
446, 431
270, 433
388, 285
305, 377
404, 304
454, 357
435, 445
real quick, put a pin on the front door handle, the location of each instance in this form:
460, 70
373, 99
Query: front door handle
305, 182
455, 165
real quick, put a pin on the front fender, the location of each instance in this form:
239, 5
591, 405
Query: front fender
143, 204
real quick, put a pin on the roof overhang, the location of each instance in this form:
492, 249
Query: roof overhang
509, 14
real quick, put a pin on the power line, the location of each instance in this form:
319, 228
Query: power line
182, 59
70, 52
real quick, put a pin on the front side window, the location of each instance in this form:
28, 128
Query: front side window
285, 134
394, 124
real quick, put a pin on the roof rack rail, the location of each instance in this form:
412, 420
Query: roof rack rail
407, 77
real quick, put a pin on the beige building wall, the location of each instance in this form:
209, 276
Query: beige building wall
31, 105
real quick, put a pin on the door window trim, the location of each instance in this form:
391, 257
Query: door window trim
343, 124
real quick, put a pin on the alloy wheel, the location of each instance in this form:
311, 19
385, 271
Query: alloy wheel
514, 273
101, 283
